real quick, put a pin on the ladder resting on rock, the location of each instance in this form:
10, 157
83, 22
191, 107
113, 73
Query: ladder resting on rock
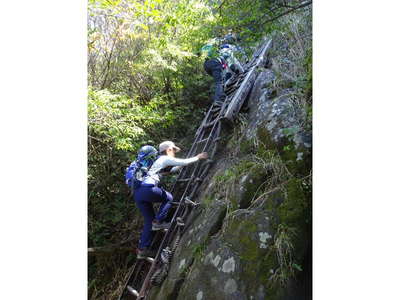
149, 272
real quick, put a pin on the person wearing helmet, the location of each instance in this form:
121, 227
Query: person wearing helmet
220, 63
214, 65
147, 155
149, 192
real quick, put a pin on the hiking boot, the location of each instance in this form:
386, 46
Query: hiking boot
179, 221
159, 226
145, 253
190, 202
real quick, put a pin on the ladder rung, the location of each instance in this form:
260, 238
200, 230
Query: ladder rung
132, 291
209, 124
179, 221
189, 201
203, 140
188, 179
214, 140
149, 259
184, 179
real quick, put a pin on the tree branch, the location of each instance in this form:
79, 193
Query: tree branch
112, 248
96, 139
304, 4
109, 250
220, 7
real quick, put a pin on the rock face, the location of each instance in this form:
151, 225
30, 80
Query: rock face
277, 115
251, 236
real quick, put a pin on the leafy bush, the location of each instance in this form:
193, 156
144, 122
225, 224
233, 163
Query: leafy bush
117, 127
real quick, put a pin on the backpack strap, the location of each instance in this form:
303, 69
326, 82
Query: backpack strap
166, 169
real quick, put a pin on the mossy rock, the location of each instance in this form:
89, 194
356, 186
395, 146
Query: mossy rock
191, 247
296, 205
230, 268
247, 186
265, 138
237, 263
297, 160
213, 277
295, 212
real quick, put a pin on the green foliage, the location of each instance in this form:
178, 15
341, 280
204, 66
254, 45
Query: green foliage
126, 124
284, 250
290, 132
293, 67
143, 47
199, 249
146, 84
118, 126
252, 19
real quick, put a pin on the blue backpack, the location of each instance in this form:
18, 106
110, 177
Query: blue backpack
139, 168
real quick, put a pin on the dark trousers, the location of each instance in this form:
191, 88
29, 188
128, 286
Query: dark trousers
145, 196
214, 68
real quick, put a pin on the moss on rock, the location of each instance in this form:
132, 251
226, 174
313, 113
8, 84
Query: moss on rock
264, 137
292, 209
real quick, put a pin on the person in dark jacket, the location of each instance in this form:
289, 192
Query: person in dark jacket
220, 62
214, 65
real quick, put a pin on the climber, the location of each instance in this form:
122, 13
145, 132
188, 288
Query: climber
216, 65
149, 192
233, 65
232, 39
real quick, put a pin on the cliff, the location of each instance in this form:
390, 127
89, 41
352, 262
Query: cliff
251, 237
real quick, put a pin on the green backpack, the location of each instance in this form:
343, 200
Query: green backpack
210, 50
